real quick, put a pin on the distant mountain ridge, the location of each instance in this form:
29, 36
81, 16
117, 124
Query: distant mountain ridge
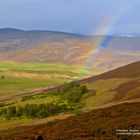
12, 30
40, 30
9, 30
40, 46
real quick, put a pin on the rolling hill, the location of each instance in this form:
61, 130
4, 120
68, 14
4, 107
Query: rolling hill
70, 49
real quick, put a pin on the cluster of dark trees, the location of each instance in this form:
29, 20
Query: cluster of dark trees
71, 92
33, 110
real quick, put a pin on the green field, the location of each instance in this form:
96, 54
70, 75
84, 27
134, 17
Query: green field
59, 68
17, 79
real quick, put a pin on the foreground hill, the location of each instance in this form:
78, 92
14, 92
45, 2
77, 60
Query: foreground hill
100, 124
72, 49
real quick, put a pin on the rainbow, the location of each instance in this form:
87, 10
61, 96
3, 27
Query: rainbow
108, 29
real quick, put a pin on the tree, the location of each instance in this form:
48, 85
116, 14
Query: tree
84, 89
2, 77
11, 112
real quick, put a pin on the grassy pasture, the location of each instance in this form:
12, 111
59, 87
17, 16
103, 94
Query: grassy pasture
19, 78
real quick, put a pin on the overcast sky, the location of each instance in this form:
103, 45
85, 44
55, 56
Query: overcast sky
76, 16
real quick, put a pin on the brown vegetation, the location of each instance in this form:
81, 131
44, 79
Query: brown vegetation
100, 124
129, 71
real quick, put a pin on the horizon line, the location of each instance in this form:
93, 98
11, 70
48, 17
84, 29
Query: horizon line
58, 31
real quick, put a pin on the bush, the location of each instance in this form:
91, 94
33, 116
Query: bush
11, 112
2, 77
3, 111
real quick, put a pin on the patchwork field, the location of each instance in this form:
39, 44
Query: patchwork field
22, 79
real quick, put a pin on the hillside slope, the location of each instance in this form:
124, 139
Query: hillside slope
113, 87
100, 124
39, 47
129, 71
